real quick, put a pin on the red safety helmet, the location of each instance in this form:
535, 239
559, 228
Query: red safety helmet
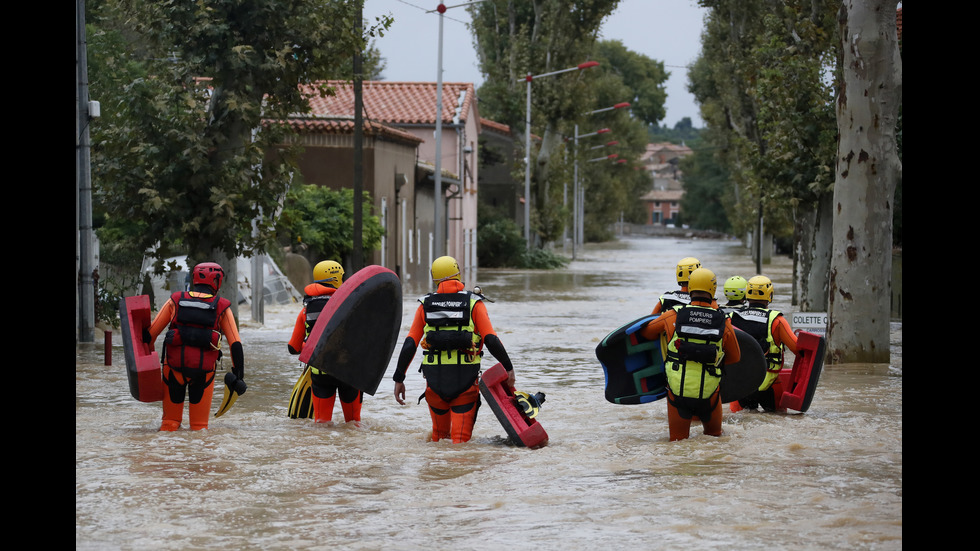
208, 273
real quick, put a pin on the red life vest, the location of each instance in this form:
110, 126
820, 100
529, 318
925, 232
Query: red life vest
193, 340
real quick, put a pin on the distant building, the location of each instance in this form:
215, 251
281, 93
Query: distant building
663, 200
399, 167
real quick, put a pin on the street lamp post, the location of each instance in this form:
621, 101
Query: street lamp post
575, 186
578, 219
440, 238
527, 146
580, 230
437, 198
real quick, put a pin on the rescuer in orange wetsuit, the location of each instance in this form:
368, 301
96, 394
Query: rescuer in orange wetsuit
192, 346
699, 338
452, 326
773, 332
682, 296
327, 278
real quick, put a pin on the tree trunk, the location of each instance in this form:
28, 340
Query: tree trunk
814, 253
803, 227
868, 168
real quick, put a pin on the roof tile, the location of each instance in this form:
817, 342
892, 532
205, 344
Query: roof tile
396, 102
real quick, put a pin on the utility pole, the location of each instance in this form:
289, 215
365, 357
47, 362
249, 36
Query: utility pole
357, 256
438, 196
85, 257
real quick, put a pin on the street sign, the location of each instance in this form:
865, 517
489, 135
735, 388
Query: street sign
814, 322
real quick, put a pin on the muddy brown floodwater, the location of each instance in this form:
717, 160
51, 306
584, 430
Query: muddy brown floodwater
827, 479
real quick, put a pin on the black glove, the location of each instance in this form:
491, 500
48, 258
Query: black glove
233, 382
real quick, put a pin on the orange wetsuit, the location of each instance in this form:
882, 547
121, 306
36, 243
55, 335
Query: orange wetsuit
452, 416
194, 381
325, 387
682, 410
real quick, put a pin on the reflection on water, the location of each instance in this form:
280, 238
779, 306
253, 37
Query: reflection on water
827, 479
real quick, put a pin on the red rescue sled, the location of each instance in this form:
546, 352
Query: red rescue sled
800, 382
142, 362
522, 430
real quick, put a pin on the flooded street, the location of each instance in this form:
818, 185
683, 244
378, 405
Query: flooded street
827, 479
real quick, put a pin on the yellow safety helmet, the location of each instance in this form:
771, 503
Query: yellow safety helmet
759, 288
735, 288
444, 268
685, 267
329, 273
703, 279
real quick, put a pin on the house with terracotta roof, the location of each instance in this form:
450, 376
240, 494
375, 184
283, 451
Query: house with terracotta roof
663, 201
399, 164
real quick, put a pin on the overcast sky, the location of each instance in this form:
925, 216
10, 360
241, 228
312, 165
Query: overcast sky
663, 30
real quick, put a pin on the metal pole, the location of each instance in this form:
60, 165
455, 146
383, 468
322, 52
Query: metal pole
575, 193
357, 256
85, 297
437, 198
758, 260
581, 213
564, 207
527, 168
527, 145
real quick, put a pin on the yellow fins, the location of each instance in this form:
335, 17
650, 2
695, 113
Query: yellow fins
233, 388
301, 399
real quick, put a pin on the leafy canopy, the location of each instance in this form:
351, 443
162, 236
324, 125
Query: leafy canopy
323, 220
184, 158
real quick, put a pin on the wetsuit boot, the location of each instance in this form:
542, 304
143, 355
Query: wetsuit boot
463, 418
173, 400
441, 423
463, 414
323, 408
352, 410
712, 424
777, 396
172, 414
200, 411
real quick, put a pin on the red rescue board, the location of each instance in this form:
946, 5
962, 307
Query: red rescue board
523, 431
142, 362
800, 382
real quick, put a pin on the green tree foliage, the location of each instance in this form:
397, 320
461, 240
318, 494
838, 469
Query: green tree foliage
515, 38
184, 159
500, 240
501, 244
720, 81
683, 132
323, 220
644, 79
612, 187
706, 192
765, 82
797, 119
